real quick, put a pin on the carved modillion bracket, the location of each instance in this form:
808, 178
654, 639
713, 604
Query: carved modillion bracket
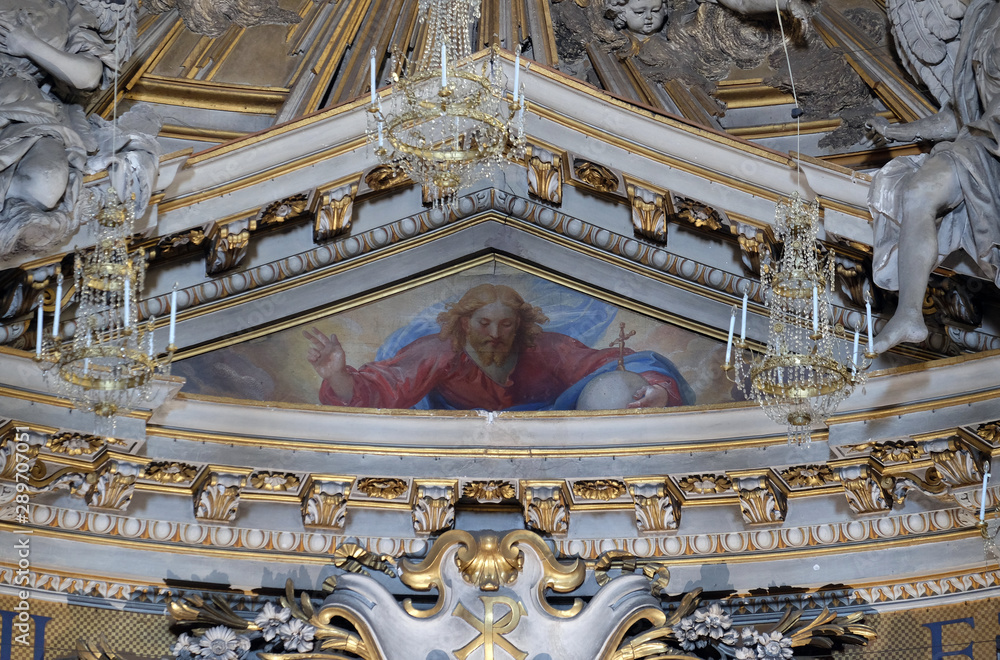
112, 485
763, 500
324, 503
433, 507
333, 211
650, 210
217, 499
227, 244
545, 176
545, 508
756, 241
657, 508
868, 491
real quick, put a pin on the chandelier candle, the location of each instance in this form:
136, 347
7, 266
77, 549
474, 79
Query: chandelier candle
815, 310
444, 66
173, 315
729, 342
982, 496
868, 317
854, 360
58, 305
517, 71
38, 333
743, 322
373, 76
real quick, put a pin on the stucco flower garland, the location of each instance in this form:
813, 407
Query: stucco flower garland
710, 626
273, 630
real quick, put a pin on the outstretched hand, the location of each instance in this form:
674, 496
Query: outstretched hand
651, 396
16, 40
327, 357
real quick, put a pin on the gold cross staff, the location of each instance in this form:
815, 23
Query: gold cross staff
621, 345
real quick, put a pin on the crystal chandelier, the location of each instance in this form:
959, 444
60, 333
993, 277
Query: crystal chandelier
447, 124
798, 381
108, 364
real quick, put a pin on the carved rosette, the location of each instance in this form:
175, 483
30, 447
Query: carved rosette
808, 476
867, 490
598, 489
596, 176
989, 431
170, 472
698, 214
761, 502
333, 212
112, 486
656, 509
433, 509
324, 504
545, 176
74, 444
705, 484
545, 509
279, 482
649, 213
227, 245
218, 499
491, 491
281, 210
385, 488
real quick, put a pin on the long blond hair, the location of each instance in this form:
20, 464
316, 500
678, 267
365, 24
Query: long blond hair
529, 317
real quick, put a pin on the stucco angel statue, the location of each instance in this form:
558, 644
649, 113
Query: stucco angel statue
50, 52
929, 206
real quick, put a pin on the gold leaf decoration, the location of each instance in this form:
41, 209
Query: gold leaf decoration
74, 444
802, 476
989, 431
274, 481
170, 472
385, 488
596, 176
705, 483
599, 489
896, 451
384, 177
489, 490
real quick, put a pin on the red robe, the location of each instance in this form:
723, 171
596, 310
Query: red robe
543, 372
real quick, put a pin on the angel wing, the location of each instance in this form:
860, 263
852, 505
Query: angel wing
926, 36
117, 25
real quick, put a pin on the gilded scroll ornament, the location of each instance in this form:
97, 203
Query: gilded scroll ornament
989, 431
324, 504
957, 464
866, 490
383, 177
74, 444
656, 509
170, 472
897, 451
598, 489
274, 481
705, 484
489, 491
649, 213
596, 176
382, 487
219, 497
113, 486
545, 509
756, 245
355, 559
433, 509
545, 175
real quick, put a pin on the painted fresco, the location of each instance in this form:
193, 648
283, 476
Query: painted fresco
511, 341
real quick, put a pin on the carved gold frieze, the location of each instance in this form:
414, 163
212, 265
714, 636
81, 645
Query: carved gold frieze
545, 175
894, 451
382, 487
598, 177
274, 481
324, 504
112, 486
218, 499
170, 472
957, 465
705, 484
656, 509
333, 212
808, 476
598, 489
649, 213
433, 509
493, 490
545, 509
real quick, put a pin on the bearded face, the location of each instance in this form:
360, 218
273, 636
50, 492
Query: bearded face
491, 331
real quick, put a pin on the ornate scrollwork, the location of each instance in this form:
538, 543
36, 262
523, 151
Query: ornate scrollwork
596, 176
383, 177
433, 509
649, 213
170, 472
113, 485
989, 431
355, 559
494, 490
957, 465
854, 278
545, 509
756, 245
382, 487
598, 489
545, 176
656, 510
219, 497
324, 504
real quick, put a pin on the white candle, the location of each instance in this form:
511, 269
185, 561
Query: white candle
743, 324
815, 311
982, 495
868, 318
55, 322
854, 360
373, 76
173, 315
149, 335
380, 134
38, 332
444, 66
729, 342
128, 300
517, 73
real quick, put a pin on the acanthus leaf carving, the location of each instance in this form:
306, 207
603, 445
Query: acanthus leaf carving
867, 490
545, 509
761, 501
649, 213
227, 245
112, 485
333, 212
324, 504
433, 509
545, 176
218, 499
492, 490
656, 509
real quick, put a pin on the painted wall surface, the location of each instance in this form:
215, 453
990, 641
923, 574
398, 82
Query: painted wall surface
276, 367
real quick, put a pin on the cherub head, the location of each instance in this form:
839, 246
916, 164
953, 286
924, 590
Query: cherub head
643, 17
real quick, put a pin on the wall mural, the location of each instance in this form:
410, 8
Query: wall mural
491, 337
